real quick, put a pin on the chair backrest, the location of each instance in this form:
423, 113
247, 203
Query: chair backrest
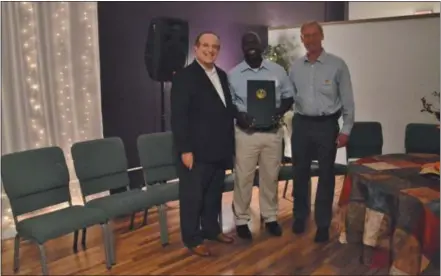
422, 138
100, 165
35, 179
158, 157
366, 139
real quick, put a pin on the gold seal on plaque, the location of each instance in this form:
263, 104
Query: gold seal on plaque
261, 94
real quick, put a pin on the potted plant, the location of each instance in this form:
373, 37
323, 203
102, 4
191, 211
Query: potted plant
430, 107
282, 53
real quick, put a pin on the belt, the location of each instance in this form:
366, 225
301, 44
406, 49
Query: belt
334, 116
270, 129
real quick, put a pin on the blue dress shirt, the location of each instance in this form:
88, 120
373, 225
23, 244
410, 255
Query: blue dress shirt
239, 75
323, 88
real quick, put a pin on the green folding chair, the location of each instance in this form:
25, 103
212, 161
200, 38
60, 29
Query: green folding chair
159, 167
101, 165
422, 138
366, 139
37, 179
158, 160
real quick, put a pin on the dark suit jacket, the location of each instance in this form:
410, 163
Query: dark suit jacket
200, 121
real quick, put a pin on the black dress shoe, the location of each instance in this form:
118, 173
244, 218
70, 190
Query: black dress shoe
273, 228
322, 234
244, 232
298, 226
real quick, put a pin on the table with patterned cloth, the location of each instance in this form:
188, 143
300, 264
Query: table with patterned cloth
387, 193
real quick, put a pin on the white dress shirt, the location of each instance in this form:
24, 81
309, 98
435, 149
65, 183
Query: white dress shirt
214, 78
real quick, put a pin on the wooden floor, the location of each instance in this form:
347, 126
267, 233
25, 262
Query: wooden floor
139, 252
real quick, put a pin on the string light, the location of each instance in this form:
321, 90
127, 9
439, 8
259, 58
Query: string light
63, 73
69, 53
29, 44
62, 36
7, 221
89, 9
8, 217
72, 126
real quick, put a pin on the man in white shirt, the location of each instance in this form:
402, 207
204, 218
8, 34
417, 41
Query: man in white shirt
214, 78
203, 131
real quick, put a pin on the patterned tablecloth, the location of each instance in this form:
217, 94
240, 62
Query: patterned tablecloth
388, 188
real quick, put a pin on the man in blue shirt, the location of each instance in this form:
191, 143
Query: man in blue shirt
322, 93
257, 146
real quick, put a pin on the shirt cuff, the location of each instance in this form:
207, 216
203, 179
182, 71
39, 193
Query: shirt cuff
345, 130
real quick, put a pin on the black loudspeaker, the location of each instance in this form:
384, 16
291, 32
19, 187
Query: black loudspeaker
166, 48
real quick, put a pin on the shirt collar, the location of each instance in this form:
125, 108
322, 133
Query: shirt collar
321, 58
244, 66
208, 71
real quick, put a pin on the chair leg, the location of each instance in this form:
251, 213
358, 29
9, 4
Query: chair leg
146, 212
132, 221
285, 189
16, 253
83, 238
221, 219
163, 225
112, 243
309, 195
107, 245
75, 242
43, 259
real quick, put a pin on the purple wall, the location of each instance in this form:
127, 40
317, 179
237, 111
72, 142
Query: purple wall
130, 100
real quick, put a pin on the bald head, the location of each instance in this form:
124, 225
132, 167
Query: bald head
251, 41
252, 49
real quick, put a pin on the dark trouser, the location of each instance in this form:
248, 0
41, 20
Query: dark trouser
314, 138
200, 199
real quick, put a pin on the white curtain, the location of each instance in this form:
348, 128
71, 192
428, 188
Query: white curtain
50, 81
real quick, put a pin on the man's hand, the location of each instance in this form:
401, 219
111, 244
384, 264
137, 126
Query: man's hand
342, 140
187, 159
244, 120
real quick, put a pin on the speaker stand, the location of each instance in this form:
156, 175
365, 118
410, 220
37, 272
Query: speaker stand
162, 107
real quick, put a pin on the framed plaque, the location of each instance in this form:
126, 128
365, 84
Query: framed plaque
261, 101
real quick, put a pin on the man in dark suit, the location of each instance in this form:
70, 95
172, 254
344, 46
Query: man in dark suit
202, 125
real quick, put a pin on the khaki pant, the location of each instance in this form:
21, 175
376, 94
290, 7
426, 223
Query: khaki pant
265, 150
